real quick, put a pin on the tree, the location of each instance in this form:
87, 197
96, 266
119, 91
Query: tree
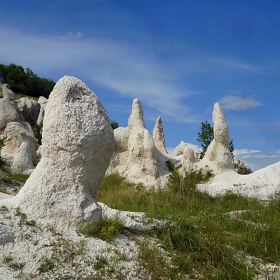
114, 124
25, 81
205, 137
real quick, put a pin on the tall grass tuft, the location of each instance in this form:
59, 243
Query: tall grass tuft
106, 228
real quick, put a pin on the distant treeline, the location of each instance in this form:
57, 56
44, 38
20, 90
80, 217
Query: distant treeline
25, 81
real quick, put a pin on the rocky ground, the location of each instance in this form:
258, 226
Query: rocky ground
42, 251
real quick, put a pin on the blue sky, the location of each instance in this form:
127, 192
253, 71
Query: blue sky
177, 57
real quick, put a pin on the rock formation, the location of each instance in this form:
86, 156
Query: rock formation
135, 154
20, 147
142, 163
8, 113
30, 109
43, 102
188, 159
6, 92
179, 150
77, 145
241, 167
218, 155
158, 136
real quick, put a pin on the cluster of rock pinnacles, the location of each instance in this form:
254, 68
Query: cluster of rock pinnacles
79, 147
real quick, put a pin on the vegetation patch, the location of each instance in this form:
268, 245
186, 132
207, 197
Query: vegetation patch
106, 229
16, 177
205, 237
9, 260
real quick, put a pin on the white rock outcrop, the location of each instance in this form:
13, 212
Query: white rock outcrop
263, 184
241, 167
8, 113
23, 160
158, 136
77, 144
6, 92
179, 150
188, 159
217, 155
30, 109
142, 162
20, 147
135, 155
43, 102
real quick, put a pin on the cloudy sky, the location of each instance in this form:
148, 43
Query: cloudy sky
177, 57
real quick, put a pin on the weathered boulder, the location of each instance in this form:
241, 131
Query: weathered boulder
77, 144
241, 167
158, 136
43, 102
20, 147
179, 150
6, 92
188, 159
8, 113
30, 109
218, 155
23, 160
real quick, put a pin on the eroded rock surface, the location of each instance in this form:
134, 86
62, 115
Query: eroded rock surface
30, 109
43, 102
6, 92
135, 153
20, 147
180, 149
188, 159
8, 113
6, 236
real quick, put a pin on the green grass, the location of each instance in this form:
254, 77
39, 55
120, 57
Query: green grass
17, 177
204, 240
23, 218
3, 190
106, 228
9, 260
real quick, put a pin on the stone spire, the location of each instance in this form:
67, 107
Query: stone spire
136, 115
218, 151
158, 136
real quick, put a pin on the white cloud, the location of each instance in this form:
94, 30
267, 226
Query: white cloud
239, 103
128, 70
234, 64
77, 34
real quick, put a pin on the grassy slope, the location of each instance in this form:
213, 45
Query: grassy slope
204, 237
